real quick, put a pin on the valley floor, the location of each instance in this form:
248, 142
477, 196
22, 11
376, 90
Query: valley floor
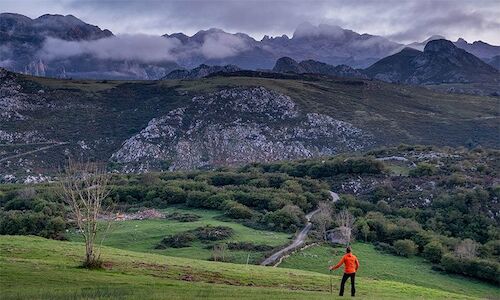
37, 268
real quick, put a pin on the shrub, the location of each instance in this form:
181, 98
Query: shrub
405, 248
217, 201
178, 240
198, 199
212, 233
433, 251
227, 178
182, 217
488, 270
175, 194
385, 247
237, 210
423, 169
287, 218
490, 249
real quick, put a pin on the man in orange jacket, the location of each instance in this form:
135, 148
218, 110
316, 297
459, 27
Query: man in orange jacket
351, 265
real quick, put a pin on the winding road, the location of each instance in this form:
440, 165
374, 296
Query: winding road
299, 239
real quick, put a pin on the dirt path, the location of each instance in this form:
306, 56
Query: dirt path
33, 151
299, 239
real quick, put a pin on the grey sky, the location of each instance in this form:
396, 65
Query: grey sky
400, 20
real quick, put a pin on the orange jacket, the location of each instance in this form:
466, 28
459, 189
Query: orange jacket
351, 263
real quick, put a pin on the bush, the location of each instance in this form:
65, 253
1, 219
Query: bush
433, 251
237, 210
288, 218
181, 217
490, 249
405, 248
210, 233
227, 178
178, 240
423, 169
217, 201
385, 247
198, 199
488, 270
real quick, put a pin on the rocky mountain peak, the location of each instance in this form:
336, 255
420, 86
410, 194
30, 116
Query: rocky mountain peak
287, 65
439, 46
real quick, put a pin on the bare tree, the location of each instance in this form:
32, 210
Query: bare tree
218, 252
323, 219
345, 220
27, 193
466, 249
84, 186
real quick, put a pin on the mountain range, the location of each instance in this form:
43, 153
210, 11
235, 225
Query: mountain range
66, 47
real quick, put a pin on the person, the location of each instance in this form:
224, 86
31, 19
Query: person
351, 265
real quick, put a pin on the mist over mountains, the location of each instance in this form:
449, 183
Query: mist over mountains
66, 47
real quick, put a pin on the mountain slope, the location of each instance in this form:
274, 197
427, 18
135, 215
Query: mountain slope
234, 126
440, 62
45, 120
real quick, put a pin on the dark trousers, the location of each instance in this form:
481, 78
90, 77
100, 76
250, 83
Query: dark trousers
344, 279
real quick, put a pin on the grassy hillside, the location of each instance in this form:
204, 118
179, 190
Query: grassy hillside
144, 235
33, 267
377, 265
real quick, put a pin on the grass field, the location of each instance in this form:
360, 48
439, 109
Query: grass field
37, 268
144, 235
381, 266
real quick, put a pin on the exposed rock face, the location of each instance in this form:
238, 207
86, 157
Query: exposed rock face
236, 126
13, 102
200, 72
440, 62
289, 65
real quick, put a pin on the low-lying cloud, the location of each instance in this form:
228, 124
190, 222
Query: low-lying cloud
222, 45
144, 48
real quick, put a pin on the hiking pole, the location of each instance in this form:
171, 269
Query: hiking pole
331, 282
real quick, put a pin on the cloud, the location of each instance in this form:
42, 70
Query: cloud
221, 45
139, 47
404, 21
144, 48
307, 29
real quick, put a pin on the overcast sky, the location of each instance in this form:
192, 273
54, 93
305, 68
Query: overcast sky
400, 20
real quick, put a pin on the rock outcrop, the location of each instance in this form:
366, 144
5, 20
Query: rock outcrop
237, 126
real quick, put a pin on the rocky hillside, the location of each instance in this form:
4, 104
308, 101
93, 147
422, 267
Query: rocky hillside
222, 120
289, 65
200, 72
440, 62
236, 126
